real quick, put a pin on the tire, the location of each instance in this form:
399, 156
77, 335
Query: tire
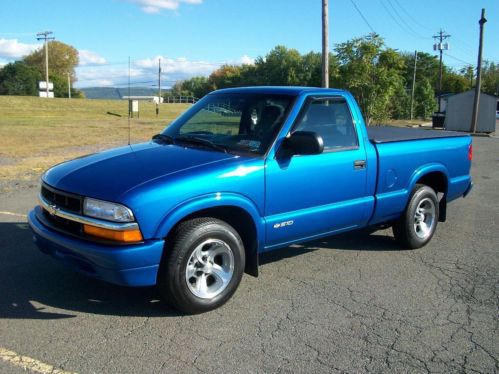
416, 226
203, 265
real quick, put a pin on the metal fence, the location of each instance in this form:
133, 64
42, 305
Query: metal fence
180, 99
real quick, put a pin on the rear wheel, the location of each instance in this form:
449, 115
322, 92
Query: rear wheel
418, 223
204, 265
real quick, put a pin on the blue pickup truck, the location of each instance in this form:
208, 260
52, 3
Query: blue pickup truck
244, 171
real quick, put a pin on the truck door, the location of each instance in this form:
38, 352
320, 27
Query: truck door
311, 195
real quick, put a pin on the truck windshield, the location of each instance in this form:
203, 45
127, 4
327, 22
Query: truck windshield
232, 122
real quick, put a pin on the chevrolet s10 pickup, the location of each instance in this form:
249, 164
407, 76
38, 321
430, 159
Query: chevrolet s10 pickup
244, 171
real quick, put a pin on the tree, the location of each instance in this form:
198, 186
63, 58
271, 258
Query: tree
400, 103
454, 83
424, 96
60, 84
19, 78
226, 76
281, 66
62, 59
197, 87
372, 73
468, 73
490, 78
427, 68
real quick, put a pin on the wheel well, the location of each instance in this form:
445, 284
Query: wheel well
437, 181
242, 222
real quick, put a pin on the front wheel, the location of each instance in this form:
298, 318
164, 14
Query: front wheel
416, 226
203, 267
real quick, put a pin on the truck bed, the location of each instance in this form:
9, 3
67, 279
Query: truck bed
388, 134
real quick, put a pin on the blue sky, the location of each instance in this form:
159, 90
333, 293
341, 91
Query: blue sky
194, 37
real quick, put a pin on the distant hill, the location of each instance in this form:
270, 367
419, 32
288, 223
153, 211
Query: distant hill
115, 93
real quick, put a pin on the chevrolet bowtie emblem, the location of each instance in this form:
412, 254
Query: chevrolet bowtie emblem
52, 209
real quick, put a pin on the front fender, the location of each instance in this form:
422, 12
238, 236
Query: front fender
211, 200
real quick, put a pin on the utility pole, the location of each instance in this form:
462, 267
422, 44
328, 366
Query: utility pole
325, 42
45, 36
69, 86
159, 88
470, 71
476, 103
440, 46
413, 82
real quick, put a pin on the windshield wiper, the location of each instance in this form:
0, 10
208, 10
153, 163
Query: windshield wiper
200, 141
164, 138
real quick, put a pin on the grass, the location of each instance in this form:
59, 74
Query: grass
36, 133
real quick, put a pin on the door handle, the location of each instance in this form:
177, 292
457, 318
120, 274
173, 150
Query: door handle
359, 164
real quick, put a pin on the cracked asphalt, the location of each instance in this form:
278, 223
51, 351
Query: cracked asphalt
353, 303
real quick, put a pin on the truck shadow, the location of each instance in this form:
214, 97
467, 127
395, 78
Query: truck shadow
353, 241
35, 286
30, 280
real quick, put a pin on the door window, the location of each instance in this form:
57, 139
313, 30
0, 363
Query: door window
331, 119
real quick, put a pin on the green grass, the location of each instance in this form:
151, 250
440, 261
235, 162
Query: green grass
37, 133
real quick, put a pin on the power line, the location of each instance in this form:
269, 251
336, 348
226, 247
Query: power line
458, 59
362, 15
411, 17
406, 24
19, 33
401, 25
468, 45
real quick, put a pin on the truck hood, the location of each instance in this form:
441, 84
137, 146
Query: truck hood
108, 175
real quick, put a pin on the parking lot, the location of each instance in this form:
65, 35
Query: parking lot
352, 303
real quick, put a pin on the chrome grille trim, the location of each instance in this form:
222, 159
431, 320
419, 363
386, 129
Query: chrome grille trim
59, 212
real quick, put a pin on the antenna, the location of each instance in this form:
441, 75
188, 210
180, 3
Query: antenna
129, 101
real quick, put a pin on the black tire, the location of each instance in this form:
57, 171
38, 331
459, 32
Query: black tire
190, 236
408, 229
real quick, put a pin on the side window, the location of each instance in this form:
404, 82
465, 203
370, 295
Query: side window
331, 119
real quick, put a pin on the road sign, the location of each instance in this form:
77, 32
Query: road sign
42, 85
44, 94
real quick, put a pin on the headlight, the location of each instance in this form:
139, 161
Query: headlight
108, 211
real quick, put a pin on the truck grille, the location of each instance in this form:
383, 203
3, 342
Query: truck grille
61, 199
66, 201
62, 224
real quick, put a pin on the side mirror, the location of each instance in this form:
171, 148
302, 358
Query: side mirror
304, 143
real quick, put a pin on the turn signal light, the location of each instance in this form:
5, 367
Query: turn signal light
119, 236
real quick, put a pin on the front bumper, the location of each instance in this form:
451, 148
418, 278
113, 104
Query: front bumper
127, 265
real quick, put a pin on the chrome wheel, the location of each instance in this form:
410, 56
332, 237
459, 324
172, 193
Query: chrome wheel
210, 268
424, 218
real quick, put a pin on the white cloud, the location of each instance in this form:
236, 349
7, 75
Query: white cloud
156, 6
12, 48
177, 66
95, 76
145, 71
246, 60
90, 58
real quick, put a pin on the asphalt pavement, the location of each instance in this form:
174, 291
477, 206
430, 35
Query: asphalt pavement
352, 303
